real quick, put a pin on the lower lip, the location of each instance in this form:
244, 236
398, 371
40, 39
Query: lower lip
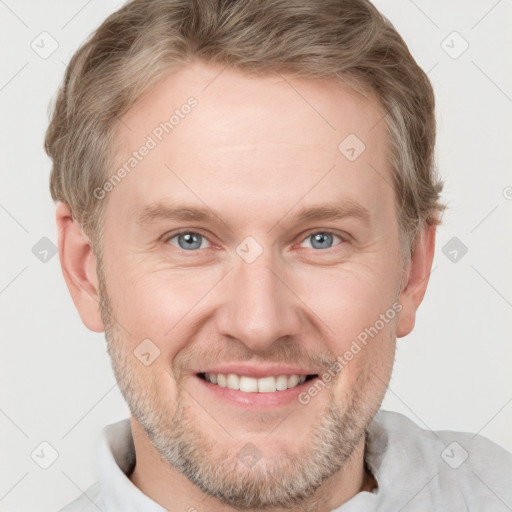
262, 400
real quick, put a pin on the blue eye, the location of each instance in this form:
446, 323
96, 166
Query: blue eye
191, 241
188, 240
321, 240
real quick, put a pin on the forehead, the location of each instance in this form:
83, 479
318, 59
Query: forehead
228, 99
269, 139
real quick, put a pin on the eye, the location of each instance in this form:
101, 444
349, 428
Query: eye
188, 240
321, 240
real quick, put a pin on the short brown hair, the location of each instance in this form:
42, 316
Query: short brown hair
348, 40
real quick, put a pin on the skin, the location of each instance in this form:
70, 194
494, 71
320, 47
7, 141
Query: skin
255, 153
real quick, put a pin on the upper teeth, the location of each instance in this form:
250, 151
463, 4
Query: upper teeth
252, 385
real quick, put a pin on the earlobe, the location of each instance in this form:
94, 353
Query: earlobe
416, 278
78, 265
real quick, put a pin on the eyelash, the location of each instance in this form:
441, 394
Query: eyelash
304, 238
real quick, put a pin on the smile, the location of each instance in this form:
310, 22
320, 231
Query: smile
253, 385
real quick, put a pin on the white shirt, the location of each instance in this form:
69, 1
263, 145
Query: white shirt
416, 470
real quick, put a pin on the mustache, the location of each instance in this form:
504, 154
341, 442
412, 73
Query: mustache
283, 354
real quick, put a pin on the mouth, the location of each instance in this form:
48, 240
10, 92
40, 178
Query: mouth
246, 384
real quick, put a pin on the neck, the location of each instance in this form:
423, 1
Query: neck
169, 488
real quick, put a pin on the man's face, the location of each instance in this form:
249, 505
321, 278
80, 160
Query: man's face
256, 284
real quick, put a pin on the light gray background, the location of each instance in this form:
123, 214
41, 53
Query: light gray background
452, 372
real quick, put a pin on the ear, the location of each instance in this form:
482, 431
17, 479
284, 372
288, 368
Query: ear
79, 268
416, 277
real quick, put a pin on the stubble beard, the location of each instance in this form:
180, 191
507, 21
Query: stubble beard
281, 482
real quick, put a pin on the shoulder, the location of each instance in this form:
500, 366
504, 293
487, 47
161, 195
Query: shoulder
89, 501
462, 467
455, 449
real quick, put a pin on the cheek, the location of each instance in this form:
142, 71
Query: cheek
349, 300
159, 304
365, 367
358, 311
149, 339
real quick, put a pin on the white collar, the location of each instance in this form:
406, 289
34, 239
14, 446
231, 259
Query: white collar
115, 460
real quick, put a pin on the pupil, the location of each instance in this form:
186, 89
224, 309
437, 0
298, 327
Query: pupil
321, 240
190, 241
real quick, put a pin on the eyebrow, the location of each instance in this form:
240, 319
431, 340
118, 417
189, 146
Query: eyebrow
160, 211
333, 212
327, 212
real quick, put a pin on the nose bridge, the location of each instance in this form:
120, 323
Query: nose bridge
258, 308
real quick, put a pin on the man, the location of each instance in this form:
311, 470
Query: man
247, 206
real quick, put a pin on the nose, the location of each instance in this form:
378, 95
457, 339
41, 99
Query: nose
259, 307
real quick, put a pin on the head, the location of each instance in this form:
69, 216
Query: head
247, 183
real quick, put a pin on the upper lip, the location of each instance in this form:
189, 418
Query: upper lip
255, 371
